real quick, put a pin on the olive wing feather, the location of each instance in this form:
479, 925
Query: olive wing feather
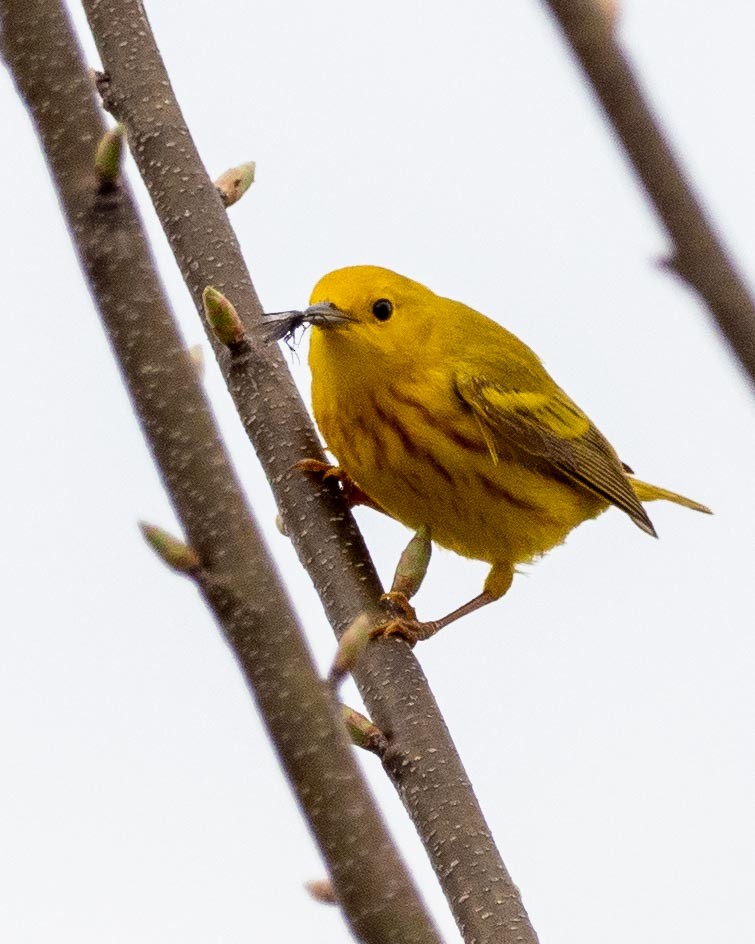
551, 427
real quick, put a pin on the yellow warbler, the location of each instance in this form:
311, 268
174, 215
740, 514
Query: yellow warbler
443, 418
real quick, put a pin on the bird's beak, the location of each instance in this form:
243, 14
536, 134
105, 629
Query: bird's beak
323, 314
281, 325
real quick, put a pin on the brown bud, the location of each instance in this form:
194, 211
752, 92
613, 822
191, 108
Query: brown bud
234, 183
610, 11
321, 889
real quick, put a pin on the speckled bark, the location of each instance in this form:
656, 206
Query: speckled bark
422, 760
238, 579
699, 256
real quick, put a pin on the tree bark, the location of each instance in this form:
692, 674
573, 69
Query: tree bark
235, 573
421, 758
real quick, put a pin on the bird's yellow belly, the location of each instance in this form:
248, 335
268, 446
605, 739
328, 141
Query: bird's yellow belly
435, 469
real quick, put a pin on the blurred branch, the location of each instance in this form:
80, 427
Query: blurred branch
420, 756
699, 256
225, 553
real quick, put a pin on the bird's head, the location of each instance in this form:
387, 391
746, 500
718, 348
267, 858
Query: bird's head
363, 309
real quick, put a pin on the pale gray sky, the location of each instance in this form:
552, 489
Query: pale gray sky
605, 709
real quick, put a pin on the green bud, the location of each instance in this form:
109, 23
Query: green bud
413, 564
109, 156
350, 647
174, 552
222, 317
362, 732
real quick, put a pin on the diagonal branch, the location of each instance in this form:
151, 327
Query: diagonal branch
235, 573
699, 255
421, 758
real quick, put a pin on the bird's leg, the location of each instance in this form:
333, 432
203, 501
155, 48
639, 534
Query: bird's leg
407, 627
352, 493
414, 631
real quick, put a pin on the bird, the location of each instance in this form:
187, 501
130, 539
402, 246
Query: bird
446, 421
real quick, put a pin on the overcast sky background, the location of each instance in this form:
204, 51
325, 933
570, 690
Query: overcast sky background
605, 710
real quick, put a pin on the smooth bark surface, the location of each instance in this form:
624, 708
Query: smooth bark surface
236, 575
421, 758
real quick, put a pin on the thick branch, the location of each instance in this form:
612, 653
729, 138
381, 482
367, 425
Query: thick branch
699, 256
236, 575
421, 758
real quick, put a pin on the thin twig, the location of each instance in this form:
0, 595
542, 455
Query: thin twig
420, 757
699, 256
226, 554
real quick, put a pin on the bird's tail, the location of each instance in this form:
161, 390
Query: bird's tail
646, 493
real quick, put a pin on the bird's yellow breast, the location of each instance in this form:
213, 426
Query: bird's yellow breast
401, 432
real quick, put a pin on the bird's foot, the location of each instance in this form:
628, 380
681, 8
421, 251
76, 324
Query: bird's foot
351, 492
402, 622
397, 604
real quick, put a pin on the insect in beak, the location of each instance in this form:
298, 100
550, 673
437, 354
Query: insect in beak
281, 325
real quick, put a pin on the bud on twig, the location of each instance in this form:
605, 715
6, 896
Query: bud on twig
413, 563
669, 263
350, 647
280, 526
321, 889
196, 356
174, 552
362, 732
222, 317
610, 11
109, 156
234, 183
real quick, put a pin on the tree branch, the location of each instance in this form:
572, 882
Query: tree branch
228, 558
699, 256
420, 757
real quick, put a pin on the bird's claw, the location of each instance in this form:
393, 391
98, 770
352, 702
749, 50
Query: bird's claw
351, 492
411, 631
317, 467
402, 622
397, 603
396, 629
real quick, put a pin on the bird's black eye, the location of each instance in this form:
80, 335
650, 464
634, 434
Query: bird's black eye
382, 309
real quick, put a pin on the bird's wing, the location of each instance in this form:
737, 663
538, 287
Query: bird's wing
551, 427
